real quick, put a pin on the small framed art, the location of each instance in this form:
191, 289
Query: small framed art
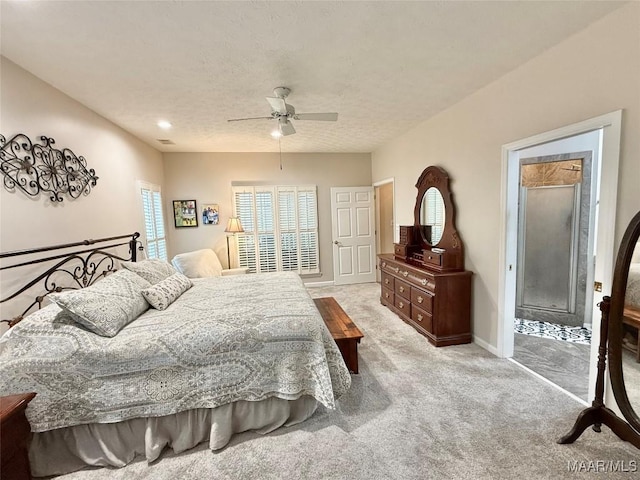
185, 213
210, 214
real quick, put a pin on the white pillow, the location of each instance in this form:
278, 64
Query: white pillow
164, 293
152, 270
197, 264
108, 305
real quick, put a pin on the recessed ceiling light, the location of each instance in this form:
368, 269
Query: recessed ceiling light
276, 134
164, 124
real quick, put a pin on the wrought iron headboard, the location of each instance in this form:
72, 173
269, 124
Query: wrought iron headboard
79, 268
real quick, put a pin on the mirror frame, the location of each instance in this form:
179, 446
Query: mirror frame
618, 291
437, 177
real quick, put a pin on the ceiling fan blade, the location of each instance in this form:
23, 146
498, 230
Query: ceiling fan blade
277, 105
325, 117
250, 118
286, 128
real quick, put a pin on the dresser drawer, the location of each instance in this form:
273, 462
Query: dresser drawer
400, 250
432, 258
422, 318
387, 296
403, 289
422, 299
403, 305
387, 280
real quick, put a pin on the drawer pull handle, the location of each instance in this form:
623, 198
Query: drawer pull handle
386, 281
405, 273
396, 269
386, 295
401, 305
420, 299
419, 317
424, 281
430, 257
401, 289
384, 264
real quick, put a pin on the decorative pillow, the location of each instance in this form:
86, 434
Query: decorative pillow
152, 270
197, 264
108, 305
164, 293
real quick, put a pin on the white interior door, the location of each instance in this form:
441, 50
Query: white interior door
353, 227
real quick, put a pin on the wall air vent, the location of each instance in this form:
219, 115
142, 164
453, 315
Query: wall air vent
165, 141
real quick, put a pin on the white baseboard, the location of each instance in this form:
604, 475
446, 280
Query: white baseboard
485, 345
329, 283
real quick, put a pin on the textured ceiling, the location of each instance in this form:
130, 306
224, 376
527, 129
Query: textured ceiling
384, 66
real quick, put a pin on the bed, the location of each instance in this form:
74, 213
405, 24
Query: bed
632, 296
631, 316
227, 354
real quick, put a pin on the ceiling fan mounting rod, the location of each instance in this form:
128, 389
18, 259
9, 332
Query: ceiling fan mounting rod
281, 92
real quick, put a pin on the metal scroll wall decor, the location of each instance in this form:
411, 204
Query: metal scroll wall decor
35, 168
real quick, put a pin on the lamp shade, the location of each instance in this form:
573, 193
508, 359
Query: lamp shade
234, 225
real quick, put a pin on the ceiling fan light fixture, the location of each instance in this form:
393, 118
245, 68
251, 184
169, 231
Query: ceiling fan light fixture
276, 134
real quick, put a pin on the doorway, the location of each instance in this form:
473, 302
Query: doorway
606, 130
383, 193
554, 215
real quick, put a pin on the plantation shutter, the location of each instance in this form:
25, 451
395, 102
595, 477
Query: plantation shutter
155, 237
308, 231
281, 228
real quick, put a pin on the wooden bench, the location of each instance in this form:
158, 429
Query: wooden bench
631, 317
343, 330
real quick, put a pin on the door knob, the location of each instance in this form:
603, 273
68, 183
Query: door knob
337, 242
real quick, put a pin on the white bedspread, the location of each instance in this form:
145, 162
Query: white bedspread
246, 337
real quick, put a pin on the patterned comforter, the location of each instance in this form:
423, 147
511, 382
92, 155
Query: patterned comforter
632, 296
245, 337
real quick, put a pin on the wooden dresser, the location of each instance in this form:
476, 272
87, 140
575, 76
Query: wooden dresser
436, 304
14, 437
424, 280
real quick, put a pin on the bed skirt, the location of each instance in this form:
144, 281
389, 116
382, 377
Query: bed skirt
69, 449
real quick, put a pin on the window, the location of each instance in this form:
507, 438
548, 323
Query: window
280, 228
156, 242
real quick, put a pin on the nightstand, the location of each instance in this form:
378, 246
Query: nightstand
14, 437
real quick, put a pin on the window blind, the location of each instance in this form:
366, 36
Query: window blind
280, 228
155, 237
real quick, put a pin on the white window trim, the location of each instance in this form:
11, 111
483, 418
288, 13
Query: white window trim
140, 186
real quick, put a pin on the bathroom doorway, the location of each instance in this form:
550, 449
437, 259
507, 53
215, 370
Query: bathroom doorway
605, 147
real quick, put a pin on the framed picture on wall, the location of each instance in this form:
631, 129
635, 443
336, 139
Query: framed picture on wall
210, 214
185, 213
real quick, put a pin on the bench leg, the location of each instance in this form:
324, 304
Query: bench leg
349, 350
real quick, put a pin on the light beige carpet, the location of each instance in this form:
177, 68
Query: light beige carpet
413, 412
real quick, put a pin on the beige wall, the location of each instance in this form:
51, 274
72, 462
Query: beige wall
207, 178
594, 72
32, 107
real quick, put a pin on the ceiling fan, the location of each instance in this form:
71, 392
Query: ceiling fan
284, 113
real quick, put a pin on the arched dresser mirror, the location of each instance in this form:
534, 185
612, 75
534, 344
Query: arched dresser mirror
434, 219
424, 281
620, 339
